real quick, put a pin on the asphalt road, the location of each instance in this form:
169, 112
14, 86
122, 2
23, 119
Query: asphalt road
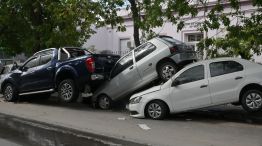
4, 142
217, 126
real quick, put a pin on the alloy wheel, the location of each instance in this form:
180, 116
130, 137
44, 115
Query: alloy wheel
168, 71
254, 100
8, 93
154, 110
66, 91
104, 102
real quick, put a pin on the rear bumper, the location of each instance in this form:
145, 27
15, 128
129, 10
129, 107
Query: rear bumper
184, 58
97, 77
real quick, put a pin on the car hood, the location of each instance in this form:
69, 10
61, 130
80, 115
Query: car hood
150, 90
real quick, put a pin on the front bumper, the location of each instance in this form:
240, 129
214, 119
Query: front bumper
137, 110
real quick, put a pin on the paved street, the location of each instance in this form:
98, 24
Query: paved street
222, 125
4, 142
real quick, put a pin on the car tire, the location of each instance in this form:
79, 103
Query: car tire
166, 70
251, 100
156, 110
10, 92
104, 102
67, 91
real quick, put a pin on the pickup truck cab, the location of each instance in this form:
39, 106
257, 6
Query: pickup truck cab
68, 70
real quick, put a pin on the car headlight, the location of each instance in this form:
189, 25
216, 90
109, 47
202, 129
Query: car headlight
135, 100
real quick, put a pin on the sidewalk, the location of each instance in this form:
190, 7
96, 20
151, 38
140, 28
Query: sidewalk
198, 129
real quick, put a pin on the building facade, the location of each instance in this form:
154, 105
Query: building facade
110, 39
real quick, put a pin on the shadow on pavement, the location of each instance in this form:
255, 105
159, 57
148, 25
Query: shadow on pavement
216, 114
219, 114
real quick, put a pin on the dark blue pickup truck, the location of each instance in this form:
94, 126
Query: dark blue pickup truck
68, 70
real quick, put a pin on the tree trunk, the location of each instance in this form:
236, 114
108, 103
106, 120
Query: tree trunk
37, 21
136, 20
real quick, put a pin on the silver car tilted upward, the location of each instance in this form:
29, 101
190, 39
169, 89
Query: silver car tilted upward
158, 58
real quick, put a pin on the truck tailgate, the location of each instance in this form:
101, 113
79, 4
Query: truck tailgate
105, 62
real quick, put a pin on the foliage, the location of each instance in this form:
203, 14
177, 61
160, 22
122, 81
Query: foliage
30, 25
243, 38
150, 14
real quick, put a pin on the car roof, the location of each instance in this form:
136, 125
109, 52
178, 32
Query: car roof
221, 59
242, 61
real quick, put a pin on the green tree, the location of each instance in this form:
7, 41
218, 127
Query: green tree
30, 25
243, 38
240, 40
149, 14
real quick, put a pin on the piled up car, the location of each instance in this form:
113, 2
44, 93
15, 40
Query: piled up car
185, 85
159, 58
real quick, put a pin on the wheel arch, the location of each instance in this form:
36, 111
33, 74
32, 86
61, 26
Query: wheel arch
7, 82
64, 74
249, 87
163, 60
95, 99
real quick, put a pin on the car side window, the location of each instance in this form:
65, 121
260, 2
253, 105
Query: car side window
144, 50
192, 74
224, 67
32, 63
46, 58
123, 64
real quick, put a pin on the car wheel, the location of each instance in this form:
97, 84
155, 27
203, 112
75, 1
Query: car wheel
167, 70
67, 91
10, 93
156, 110
104, 102
252, 100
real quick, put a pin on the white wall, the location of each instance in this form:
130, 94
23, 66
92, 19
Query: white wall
109, 39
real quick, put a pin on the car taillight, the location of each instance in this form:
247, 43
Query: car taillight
90, 64
173, 50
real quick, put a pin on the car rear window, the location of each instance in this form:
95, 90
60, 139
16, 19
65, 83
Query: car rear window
179, 44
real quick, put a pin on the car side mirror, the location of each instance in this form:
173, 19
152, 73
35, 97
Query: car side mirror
176, 82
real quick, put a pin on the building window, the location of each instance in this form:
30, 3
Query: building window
195, 37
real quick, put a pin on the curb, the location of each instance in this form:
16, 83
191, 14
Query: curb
35, 133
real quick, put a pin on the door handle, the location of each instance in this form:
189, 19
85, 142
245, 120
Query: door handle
130, 68
49, 68
238, 78
150, 64
203, 86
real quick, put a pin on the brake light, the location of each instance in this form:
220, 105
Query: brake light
173, 50
90, 64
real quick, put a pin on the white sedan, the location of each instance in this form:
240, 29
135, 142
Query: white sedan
203, 84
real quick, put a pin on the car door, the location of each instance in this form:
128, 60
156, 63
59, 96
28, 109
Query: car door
46, 70
28, 79
145, 62
190, 89
124, 77
225, 77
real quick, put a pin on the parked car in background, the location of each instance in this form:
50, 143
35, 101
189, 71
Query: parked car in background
68, 70
4, 62
4, 71
203, 84
159, 58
